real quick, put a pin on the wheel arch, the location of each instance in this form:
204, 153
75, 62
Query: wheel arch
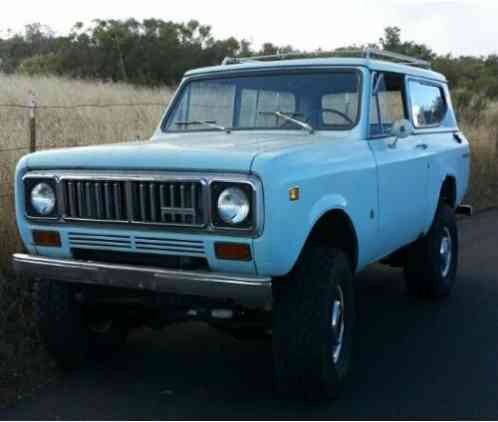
335, 229
448, 192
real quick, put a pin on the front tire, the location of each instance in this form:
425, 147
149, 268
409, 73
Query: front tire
432, 262
69, 331
313, 315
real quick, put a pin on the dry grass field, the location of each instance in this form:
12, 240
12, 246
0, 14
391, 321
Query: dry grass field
66, 127
21, 357
483, 137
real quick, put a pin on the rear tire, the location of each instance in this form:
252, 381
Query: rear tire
312, 334
65, 328
432, 262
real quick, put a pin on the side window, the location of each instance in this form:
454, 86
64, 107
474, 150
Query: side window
387, 103
427, 103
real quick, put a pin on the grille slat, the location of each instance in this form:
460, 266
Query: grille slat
142, 201
162, 201
79, 188
168, 202
98, 200
152, 198
117, 201
172, 201
182, 202
72, 198
193, 203
88, 200
107, 201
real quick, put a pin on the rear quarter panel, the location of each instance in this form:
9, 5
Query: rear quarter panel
449, 157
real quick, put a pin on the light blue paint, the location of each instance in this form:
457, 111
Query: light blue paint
389, 194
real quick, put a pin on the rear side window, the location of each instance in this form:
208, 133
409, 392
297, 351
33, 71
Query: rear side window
428, 106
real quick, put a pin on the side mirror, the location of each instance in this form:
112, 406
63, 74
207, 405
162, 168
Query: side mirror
401, 129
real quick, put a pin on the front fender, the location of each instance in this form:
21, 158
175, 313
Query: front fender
324, 205
277, 251
332, 174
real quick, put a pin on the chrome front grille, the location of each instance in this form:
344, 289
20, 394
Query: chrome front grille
95, 200
171, 203
181, 201
161, 202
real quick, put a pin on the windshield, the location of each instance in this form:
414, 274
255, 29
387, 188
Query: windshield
326, 100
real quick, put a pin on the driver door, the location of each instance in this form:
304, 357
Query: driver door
402, 166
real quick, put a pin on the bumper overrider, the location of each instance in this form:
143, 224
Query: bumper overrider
246, 290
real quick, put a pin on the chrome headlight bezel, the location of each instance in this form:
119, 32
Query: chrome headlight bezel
233, 205
239, 188
32, 210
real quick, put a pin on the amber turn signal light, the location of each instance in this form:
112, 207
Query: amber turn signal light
294, 194
46, 238
233, 251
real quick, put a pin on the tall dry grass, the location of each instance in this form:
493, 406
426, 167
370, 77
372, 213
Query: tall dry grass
483, 137
66, 127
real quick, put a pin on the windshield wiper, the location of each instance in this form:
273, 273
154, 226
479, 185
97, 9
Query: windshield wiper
286, 116
210, 123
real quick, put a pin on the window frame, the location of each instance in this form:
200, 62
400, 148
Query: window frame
266, 72
410, 101
404, 95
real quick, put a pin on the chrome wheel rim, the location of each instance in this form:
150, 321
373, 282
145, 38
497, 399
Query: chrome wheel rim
445, 252
337, 324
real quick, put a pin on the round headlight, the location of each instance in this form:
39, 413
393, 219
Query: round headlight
43, 199
233, 206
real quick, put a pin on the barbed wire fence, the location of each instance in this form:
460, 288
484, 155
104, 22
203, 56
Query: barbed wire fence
32, 107
10, 153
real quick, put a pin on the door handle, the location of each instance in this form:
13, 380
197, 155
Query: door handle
422, 146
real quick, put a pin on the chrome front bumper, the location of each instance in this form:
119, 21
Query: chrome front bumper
246, 290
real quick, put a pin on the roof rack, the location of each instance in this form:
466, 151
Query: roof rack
369, 53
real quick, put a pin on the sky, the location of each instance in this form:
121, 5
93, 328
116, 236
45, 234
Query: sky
459, 27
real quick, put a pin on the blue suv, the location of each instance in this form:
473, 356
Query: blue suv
269, 182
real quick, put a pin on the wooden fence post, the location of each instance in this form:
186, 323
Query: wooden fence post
32, 121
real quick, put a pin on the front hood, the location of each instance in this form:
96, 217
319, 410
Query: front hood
211, 151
